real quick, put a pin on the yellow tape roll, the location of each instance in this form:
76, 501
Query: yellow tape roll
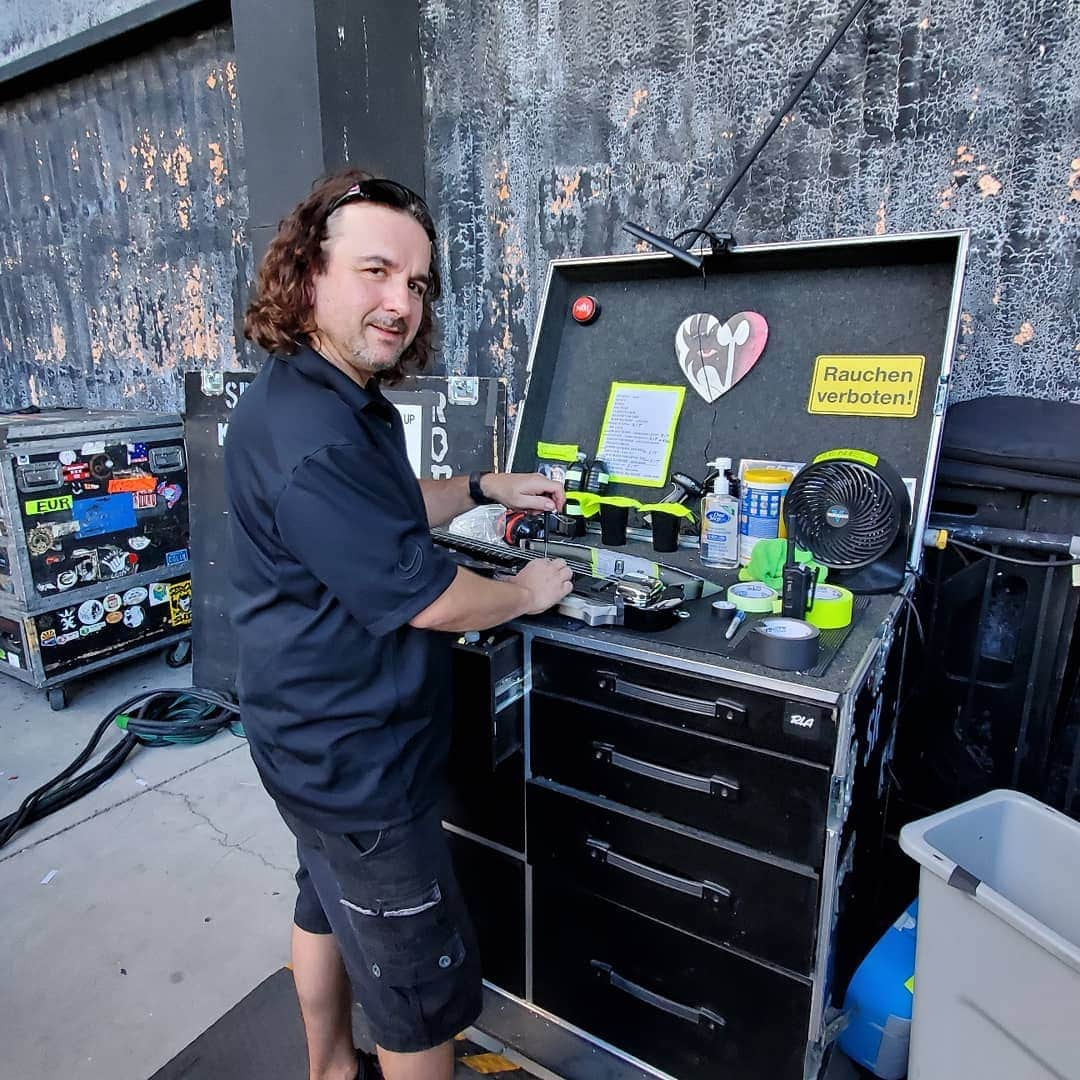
753, 596
832, 608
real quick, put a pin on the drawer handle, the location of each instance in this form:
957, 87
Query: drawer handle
699, 890
709, 785
720, 708
699, 1015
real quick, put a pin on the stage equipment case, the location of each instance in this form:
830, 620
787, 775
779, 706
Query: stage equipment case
94, 563
464, 426
665, 846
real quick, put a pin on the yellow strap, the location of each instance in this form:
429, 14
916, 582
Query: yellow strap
551, 451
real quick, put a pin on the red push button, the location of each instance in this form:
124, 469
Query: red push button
585, 310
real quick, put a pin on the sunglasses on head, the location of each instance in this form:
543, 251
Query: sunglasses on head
388, 193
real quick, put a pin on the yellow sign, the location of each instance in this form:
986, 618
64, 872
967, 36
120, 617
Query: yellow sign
180, 603
866, 385
48, 506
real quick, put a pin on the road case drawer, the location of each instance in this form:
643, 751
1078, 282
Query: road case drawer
486, 770
730, 897
755, 797
673, 1000
689, 701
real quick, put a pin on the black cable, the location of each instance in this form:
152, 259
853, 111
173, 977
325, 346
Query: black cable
918, 619
152, 718
1044, 563
778, 118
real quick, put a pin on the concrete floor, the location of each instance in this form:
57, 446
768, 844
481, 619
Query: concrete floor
172, 896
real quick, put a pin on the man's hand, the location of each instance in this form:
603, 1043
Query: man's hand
547, 580
523, 491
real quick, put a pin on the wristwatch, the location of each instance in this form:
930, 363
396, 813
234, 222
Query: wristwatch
475, 491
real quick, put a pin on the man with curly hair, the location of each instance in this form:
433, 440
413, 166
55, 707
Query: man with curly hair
339, 594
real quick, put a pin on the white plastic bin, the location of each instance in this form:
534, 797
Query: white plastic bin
997, 964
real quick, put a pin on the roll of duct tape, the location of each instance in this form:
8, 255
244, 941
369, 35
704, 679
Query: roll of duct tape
832, 608
753, 596
786, 644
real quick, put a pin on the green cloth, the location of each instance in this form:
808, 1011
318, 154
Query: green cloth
767, 563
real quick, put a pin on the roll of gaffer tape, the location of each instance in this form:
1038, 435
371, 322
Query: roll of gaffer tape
753, 596
832, 607
786, 644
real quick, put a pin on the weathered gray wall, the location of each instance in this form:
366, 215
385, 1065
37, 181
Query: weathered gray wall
124, 257
553, 122
30, 26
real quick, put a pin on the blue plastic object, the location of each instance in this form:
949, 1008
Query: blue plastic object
879, 1002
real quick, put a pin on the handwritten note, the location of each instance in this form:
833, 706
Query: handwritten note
638, 432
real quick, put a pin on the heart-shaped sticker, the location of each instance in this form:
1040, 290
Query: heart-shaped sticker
713, 355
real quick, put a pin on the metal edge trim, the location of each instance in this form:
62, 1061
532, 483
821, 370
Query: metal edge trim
16, 538
651, 1070
116, 658
937, 425
495, 1045
794, 690
172, 426
502, 849
41, 605
526, 718
824, 937
528, 932
751, 249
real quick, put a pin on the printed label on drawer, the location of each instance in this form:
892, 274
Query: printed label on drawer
805, 721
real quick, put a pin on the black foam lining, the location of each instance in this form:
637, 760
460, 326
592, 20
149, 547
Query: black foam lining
867, 297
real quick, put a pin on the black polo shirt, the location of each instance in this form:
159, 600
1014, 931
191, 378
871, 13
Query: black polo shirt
346, 706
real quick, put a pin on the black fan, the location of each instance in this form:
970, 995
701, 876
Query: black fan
851, 510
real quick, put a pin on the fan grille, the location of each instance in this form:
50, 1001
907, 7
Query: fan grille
842, 512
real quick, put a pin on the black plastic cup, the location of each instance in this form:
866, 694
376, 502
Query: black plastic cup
665, 531
613, 521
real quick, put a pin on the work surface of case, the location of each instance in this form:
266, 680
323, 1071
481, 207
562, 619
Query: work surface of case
93, 539
702, 834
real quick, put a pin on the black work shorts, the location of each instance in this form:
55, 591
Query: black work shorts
391, 900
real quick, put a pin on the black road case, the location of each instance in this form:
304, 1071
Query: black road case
93, 542
464, 428
698, 837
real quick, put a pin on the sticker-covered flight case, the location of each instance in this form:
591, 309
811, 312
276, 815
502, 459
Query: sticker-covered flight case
94, 542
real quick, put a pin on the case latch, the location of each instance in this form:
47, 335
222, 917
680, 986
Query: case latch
463, 390
843, 785
877, 671
940, 395
165, 459
38, 476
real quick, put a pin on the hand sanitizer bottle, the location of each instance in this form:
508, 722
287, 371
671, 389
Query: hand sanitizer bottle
720, 520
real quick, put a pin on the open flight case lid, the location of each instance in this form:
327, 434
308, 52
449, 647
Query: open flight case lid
832, 307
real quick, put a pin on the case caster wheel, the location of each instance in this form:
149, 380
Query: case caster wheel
57, 698
179, 654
